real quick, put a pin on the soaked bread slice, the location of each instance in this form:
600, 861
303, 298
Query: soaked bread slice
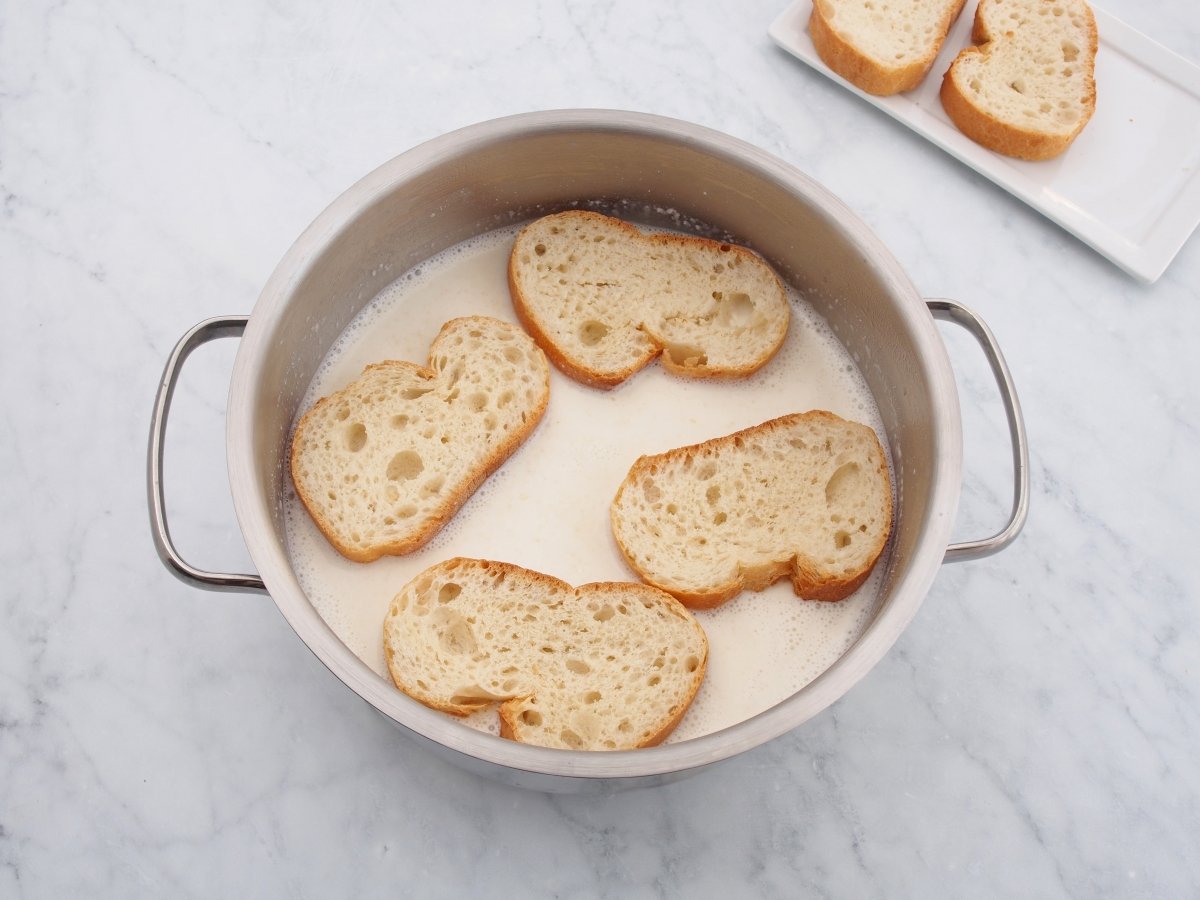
384, 463
882, 47
1029, 88
604, 300
806, 496
606, 666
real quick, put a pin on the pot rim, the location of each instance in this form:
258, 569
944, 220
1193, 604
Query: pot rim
270, 557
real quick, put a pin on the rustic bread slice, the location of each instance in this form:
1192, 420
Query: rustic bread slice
1029, 88
806, 495
603, 300
384, 463
881, 46
606, 666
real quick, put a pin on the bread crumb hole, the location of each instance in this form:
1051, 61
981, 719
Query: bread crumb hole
531, 717
1070, 51
356, 437
593, 332
405, 466
737, 309
459, 640
604, 613
842, 484
841, 540
448, 592
399, 421
719, 518
686, 355
654, 680
414, 393
650, 490
578, 666
591, 697
692, 663
571, 739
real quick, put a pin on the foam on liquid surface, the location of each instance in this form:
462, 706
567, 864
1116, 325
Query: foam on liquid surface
546, 508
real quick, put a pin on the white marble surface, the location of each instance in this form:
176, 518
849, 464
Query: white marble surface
1034, 733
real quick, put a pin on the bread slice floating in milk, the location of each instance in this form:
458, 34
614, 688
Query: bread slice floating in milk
806, 496
1029, 88
604, 299
383, 464
609, 666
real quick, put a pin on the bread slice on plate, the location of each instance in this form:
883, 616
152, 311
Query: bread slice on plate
806, 496
1029, 88
604, 299
882, 47
384, 463
606, 666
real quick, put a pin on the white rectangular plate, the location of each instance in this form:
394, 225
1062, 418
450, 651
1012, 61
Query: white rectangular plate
1129, 186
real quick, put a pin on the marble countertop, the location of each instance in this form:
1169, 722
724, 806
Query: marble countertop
1034, 733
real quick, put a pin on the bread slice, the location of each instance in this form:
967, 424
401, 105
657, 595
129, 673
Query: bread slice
603, 300
882, 47
806, 495
607, 666
384, 463
1030, 87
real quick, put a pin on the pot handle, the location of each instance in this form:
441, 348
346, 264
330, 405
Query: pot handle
209, 329
952, 311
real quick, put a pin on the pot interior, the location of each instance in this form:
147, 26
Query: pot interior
645, 169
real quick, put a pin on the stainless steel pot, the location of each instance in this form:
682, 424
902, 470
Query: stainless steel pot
503, 171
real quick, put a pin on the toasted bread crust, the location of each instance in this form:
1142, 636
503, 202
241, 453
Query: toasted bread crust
863, 70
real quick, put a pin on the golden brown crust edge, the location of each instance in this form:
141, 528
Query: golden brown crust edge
609, 380
1002, 137
865, 72
807, 583
453, 502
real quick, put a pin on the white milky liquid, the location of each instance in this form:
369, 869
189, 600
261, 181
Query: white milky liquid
547, 507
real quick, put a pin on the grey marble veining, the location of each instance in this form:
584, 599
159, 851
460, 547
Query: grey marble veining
1034, 733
